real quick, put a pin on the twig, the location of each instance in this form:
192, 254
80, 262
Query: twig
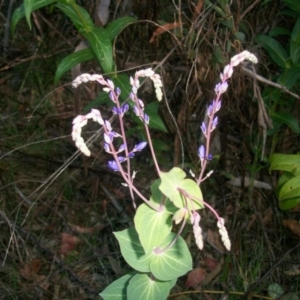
255, 285
266, 81
51, 253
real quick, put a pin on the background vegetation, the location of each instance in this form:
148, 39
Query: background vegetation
58, 209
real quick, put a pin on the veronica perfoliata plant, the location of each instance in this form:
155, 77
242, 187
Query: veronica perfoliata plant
157, 254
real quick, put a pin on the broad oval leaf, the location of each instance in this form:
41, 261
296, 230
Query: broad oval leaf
274, 49
153, 227
118, 289
132, 250
172, 263
19, 13
285, 162
102, 47
174, 181
72, 60
291, 189
142, 286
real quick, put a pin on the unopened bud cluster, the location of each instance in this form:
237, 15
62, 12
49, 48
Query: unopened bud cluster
120, 109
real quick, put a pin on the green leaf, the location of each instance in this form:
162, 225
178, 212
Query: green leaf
279, 31
172, 263
28, 6
132, 250
153, 227
291, 189
101, 45
72, 60
118, 289
285, 162
295, 43
122, 81
292, 4
156, 121
157, 197
275, 290
174, 180
78, 15
115, 27
19, 13
289, 203
289, 77
141, 286
287, 119
274, 49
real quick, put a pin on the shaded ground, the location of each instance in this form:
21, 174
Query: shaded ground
58, 209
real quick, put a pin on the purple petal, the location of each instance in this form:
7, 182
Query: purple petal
210, 110
218, 106
131, 96
121, 159
203, 128
115, 110
139, 147
131, 154
136, 111
121, 148
146, 119
214, 123
107, 138
113, 165
201, 152
107, 125
118, 91
124, 108
111, 96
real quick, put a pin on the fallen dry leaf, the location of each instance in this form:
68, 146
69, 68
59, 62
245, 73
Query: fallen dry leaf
195, 277
68, 243
293, 271
213, 238
29, 270
293, 225
213, 273
211, 263
166, 27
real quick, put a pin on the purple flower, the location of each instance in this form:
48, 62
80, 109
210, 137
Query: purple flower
201, 152
109, 137
116, 111
124, 108
136, 111
121, 159
221, 88
210, 109
121, 148
120, 111
107, 125
217, 106
112, 96
118, 91
209, 157
113, 165
146, 118
131, 154
214, 123
139, 147
203, 128
131, 96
